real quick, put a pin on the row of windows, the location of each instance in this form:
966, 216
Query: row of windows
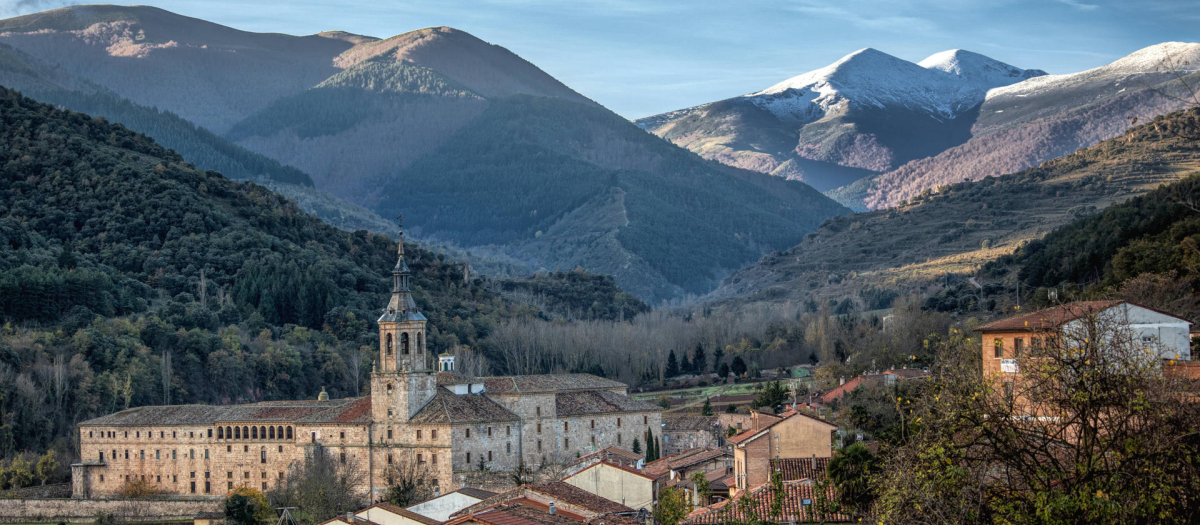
1018, 346
279, 432
190, 454
137, 434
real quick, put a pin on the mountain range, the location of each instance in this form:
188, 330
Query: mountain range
872, 130
475, 146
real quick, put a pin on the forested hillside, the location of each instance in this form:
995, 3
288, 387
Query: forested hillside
129, 277
570, 184
941, 237
1145, 250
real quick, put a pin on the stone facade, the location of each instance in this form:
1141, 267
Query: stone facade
15, 510
446, 424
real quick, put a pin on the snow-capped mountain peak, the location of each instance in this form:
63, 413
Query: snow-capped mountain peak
1165, 59
943, 84
976, 68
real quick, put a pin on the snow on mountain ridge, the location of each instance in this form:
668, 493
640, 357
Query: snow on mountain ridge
1158, 58
943, 84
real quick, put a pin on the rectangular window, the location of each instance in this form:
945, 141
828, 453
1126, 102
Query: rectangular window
539, 445
314, 437
999, 344
565, 427
102, 478
433, 458
1018, 346
645, 420
157, 454
389, 459
229, 484
539, 428
342, 436
508, 430
193, 487
468, 460
489, 431
418, 434
593, 423
1035, 342
207, 487
246, 475
389, 433
468, 433
420, 459
489, 456
158, 478
193, 474
539, 411
228, 448
229, 475
343, 457
206, 453
566, 443
264, 486
618, 422
433, 434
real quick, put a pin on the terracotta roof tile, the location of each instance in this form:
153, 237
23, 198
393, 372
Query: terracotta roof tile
557, 491
403, 512
794, 510
682, 460
794, 469
349, 410
1048, 318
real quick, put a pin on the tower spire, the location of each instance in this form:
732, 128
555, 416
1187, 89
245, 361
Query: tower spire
402, 302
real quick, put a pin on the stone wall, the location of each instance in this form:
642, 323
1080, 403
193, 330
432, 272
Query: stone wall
78, 511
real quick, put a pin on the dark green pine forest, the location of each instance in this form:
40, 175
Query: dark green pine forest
130, 277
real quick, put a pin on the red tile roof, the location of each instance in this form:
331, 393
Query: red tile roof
558, 491
794, 469
399, 511
682, 460
754, 433
1048, 318
760, 499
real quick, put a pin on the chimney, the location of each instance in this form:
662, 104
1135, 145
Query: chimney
552, 509
350, 517
843, 380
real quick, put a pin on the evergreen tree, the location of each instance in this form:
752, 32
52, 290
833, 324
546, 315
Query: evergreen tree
718, 355
723, 370
730, 409
685, 366
738, 367
637, 446
672, 365
707, 410
699, 360
771, 396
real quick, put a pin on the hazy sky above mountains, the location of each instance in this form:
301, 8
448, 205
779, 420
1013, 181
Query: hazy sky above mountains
644, 57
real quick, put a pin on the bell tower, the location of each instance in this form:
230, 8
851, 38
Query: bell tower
403, 382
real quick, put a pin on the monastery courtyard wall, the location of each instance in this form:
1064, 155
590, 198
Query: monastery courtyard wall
85, 510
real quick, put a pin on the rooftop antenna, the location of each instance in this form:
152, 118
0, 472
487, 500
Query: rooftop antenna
285, 516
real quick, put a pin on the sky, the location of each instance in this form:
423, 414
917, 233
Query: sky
640, 58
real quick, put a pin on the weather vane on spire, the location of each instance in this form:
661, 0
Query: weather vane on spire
400, 230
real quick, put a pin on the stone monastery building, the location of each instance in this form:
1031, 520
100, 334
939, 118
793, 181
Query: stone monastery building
444, 422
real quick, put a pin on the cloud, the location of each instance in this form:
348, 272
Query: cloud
9, 8
898, 23
1079, 5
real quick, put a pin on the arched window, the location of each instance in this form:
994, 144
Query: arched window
279, 431
254, 432
389, 389
262, 432
220, 433
245, 432
388, 339
237, 432
404, 343
272, 432
420, 342
289, 432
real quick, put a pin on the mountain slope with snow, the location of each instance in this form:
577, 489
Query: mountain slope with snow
867, 112
1024, 124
